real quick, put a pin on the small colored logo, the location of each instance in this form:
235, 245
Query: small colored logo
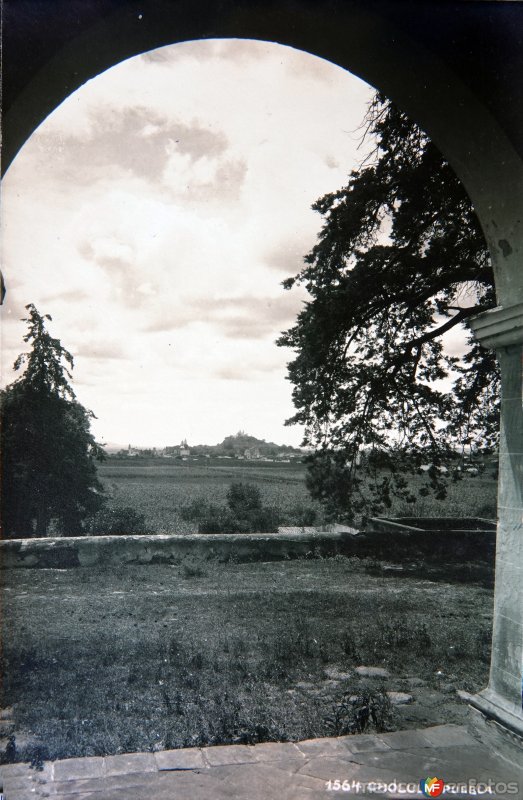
432, 787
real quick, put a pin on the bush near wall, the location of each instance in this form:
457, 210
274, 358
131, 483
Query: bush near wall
116, 520
244, 513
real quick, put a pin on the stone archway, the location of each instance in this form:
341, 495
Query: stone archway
454, 67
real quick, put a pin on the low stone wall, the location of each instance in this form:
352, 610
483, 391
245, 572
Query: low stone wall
395, 542
435, 524
87, 551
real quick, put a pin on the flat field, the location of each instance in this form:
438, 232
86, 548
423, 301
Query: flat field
153, 657
159, 490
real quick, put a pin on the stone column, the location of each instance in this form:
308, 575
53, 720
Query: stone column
501, 702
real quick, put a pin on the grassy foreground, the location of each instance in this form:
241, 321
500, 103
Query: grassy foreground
154, 657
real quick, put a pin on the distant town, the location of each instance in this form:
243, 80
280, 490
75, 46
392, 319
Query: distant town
239, 446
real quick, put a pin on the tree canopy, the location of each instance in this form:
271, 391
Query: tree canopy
48, 451
400, 262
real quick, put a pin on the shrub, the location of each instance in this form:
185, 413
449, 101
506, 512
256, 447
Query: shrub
243, 498
303, 516
196, 509
220, 520
355, 713
114, 520
265, 520
192, 568
244, 514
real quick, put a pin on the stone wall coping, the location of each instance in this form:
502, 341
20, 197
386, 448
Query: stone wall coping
52, 541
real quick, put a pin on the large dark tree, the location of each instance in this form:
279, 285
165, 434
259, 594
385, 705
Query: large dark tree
400, 262
48, 452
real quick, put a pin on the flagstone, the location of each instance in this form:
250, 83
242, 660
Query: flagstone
269, 771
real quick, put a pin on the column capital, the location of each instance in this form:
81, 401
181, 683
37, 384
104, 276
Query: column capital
499, 327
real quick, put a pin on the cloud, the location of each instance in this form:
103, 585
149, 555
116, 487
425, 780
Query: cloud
246, 368
253, 318
229, 179
240, 372
68, 296
204, 179
286, 257
162, 55
136, 140
246, 327
100, 349
107, 251
155, 214
138, 147
232, 373
243, 317
236, 50
123, 280
303, 66
241, 51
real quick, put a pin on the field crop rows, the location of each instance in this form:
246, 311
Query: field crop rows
159, 491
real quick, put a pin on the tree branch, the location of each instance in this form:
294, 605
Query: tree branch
417, 343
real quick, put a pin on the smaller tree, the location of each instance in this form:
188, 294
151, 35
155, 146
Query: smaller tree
243, 498
48, 451
244, 512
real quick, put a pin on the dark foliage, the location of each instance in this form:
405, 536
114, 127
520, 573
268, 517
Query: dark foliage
116, 520
48, 452
368, 708
244, 513
243, 498
400, 262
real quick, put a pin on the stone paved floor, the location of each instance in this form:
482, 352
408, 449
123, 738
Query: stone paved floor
373, 766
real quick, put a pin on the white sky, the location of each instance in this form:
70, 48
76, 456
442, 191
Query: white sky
154, 215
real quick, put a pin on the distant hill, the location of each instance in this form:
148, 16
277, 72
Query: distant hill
112, 447
242, 444
239, 445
